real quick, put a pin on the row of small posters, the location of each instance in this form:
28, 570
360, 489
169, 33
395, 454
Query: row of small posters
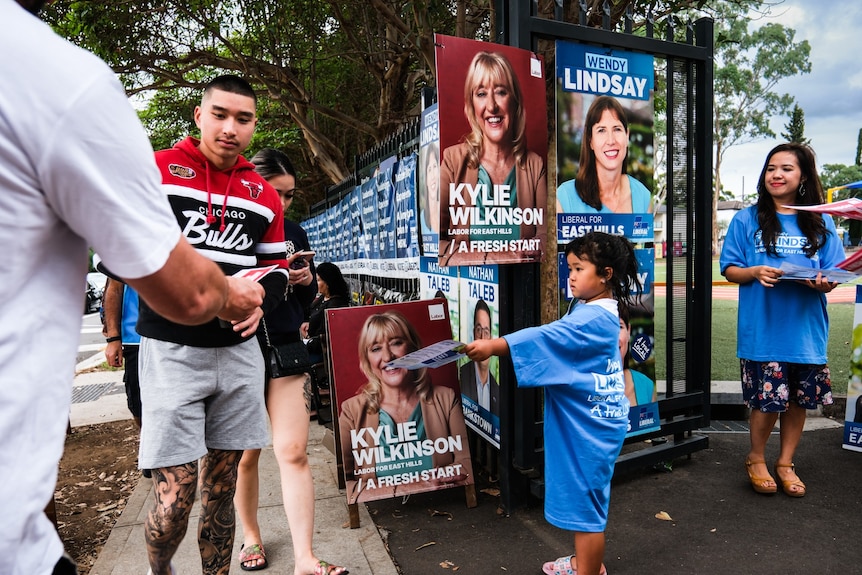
437, 214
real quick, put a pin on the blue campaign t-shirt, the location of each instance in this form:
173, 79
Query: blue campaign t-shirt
787, 322
577, 361
129, 318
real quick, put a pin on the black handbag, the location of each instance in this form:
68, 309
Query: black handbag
286, 358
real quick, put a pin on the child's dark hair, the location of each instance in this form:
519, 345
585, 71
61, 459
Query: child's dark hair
615, 252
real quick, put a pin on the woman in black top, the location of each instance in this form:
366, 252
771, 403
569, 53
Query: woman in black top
332, 292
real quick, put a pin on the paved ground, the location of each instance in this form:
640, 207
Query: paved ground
719, 525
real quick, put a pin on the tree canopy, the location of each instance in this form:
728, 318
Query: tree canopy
335, 77
749, 65
796, 127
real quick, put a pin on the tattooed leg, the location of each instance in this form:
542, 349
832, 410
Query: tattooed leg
166, 524
307, 392
218, 520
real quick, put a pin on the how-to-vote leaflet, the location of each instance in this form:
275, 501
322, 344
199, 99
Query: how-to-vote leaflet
586, 76
491, 213
396, 454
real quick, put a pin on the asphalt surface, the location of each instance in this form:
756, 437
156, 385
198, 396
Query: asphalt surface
718, 524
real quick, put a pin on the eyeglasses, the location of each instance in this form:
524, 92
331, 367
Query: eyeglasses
481, 332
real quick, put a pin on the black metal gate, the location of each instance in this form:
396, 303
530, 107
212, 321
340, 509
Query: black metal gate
686, 346
685, 349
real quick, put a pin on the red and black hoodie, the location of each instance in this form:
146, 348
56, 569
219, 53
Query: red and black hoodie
232, 217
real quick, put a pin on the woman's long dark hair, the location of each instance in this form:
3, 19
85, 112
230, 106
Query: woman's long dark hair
810, 193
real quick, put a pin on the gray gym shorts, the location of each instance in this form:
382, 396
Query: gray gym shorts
199, 398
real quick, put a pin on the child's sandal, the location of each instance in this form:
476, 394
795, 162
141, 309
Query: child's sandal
563, 566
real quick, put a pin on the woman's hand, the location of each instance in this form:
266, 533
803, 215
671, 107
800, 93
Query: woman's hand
299, 271
767, 276
820, 284
303, 330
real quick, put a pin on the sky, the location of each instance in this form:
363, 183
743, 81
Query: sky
830, 95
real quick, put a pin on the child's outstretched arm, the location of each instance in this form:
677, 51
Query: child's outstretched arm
482, 349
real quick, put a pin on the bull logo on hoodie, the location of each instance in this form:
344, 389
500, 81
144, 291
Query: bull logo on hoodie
254, 188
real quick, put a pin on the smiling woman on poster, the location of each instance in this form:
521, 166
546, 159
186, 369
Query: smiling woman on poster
493, 161
400, 434
602, 185
429, 199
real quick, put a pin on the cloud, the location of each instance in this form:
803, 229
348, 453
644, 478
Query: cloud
830, 96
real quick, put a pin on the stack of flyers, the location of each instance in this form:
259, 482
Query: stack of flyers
433, 355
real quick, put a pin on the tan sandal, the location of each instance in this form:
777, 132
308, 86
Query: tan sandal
760, 484
792, 487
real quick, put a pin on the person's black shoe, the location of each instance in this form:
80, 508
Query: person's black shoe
65, 566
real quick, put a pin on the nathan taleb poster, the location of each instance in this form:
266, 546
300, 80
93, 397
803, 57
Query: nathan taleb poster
435, 281
493, 142
400, 431
480, 387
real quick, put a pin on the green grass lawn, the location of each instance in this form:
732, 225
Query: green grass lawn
725, 365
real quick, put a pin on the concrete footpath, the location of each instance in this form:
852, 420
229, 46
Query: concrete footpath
361, 550
714, 524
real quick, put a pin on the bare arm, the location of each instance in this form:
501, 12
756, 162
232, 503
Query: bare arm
112, 303
190, 289
766, 275
482, 349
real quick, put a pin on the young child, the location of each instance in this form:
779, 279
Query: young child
577, 360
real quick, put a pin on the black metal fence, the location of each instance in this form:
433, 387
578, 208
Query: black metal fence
684, 406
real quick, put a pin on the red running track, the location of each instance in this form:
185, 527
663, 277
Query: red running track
841, 294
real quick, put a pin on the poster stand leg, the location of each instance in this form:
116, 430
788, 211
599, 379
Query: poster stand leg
353, 514
470, 495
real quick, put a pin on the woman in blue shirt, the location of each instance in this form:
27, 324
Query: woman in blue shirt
784, 371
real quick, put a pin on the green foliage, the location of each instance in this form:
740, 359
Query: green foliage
796, 127
725, 366
749, 65
834, 175
335, 76
859, 148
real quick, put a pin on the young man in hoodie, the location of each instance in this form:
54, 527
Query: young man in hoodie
202, 387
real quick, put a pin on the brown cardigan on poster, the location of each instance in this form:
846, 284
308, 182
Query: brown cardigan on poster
442, 416
531, 186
